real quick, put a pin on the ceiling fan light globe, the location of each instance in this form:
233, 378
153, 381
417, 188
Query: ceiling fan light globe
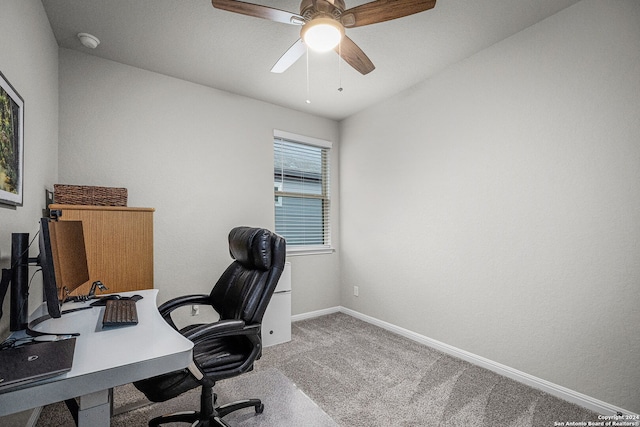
322, 34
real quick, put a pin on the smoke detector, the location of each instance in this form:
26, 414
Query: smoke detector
88, 40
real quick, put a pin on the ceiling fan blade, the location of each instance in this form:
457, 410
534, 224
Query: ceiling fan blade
290, 57
354, 56
259, 11
383, 10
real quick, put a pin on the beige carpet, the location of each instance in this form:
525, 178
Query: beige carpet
361, 375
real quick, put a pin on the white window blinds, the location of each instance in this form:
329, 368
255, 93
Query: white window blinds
301, 190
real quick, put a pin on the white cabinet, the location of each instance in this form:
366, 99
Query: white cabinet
276, 323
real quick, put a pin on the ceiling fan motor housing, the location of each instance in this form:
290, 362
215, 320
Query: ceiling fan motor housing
310, 9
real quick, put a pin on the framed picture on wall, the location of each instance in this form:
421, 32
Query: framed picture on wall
11, 144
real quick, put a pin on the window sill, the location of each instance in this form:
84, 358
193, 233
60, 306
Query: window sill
306, 250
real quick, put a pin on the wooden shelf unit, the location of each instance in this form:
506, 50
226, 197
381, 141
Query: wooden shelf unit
119, 243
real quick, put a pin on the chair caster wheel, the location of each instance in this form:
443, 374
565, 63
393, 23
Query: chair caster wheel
260, 408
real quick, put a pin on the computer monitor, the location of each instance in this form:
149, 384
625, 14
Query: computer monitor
63, 259
45, 259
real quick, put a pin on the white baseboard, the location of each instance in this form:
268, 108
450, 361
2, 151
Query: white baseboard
317, 313
522, 377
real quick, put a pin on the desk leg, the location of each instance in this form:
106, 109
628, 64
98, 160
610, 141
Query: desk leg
95, 409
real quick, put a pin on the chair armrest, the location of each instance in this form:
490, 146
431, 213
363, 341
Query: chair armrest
169, 306
214, 330
174, 303
203, 333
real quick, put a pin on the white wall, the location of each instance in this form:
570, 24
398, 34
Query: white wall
496, 206
505, 225
201, 157
29, 60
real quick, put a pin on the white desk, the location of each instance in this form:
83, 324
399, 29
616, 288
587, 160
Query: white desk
104, 359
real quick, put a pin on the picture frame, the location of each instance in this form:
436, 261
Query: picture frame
11, 144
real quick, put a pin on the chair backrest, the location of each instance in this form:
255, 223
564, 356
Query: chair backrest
245, 288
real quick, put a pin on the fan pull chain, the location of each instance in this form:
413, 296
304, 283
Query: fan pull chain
340, 67
308, 91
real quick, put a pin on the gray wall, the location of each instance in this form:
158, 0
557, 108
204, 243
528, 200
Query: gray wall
495, 207
29, 60
506, 224
203, 158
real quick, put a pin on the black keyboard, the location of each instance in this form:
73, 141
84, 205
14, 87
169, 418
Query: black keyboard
120, 312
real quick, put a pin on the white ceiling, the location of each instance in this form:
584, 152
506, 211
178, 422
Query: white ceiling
191, 40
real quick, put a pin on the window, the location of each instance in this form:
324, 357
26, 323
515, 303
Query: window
301, 191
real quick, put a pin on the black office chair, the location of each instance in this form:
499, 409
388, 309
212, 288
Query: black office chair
228, 347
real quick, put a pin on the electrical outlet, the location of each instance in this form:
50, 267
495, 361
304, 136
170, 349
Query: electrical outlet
356, 291
195, 310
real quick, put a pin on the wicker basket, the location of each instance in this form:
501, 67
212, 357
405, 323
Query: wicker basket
88, 195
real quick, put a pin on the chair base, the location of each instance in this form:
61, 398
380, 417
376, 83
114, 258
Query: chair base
200, 419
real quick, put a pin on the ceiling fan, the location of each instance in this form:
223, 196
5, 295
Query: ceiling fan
329, 14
